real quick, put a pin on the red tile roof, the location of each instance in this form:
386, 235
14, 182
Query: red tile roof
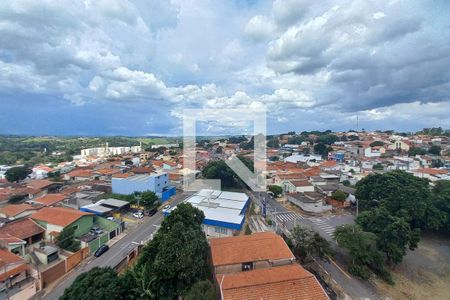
432, 171
277, 283
22, 229
50, 199
256, 247
80, 173
39, 184
13, 210
6, 237
60, 216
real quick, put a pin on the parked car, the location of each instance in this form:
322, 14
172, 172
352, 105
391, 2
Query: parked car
98, 230
138, 215
152, 212
110, 218
101, 250
167, 207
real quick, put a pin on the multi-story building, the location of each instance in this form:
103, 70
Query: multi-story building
158, 183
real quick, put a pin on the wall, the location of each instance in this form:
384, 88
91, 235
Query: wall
73, 260
53, 273
154, 183
84, 223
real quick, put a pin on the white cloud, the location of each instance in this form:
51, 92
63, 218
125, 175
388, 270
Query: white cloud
260, 28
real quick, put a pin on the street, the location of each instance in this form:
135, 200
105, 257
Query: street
116, 253
325, 226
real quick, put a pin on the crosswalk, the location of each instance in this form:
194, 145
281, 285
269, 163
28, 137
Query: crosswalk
288, 217
324, 226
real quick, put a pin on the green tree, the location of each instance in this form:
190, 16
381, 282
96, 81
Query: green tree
339, 195
436, 150
378, 166
97, 283
16, 174
174, 260
66, 239
416, 151
201, 290
247, 231
308, 244
363, 251
220, 170
321, 149
439, 214
149, 200
276, 190
376, 144
273, 143
401, 193
394, 234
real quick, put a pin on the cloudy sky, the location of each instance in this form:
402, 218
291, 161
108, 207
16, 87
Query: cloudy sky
117, 67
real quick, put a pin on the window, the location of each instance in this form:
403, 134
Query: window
247, 266
220, 230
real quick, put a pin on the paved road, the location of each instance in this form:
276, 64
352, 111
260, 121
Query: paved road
116, 253
354, 287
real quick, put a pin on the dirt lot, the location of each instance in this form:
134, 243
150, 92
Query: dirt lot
424, 273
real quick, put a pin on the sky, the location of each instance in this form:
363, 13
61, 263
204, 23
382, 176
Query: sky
118, 67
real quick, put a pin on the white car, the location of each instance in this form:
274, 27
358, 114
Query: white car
167, 207
138, 215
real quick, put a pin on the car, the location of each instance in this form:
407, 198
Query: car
167, 207
152, 212
138, 215
110, 218
98, 230
101, 250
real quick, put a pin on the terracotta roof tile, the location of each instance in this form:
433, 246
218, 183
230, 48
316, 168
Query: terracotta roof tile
39, 184
60, 216
255, 247
50, 199
13, 210
278, 283
22, 229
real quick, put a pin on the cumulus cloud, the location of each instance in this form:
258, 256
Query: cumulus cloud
312, 65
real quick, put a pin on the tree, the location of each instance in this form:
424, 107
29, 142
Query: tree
201, 290
401, 193
439, 214
273, 143
220, 170
363, 252
339, 195
174, 260
394, 234
247, 231
327, 139
320, 148
376, 144
435, 150
416, 151
276, 190
378, 166
97, 283
16, 174
66, 239
346, 182
308, 244
149, 200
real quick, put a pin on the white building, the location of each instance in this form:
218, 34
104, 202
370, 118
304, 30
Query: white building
224, 211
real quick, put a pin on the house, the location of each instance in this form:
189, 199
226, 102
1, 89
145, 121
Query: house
12, 244
260, 266
399, 145
42, 186
156, 182
48, 199
310, 202
17, 211
79, 175
376, 151
55, 219
41, 172
298, 186
224, 211
13, 269
432, 174
25, 229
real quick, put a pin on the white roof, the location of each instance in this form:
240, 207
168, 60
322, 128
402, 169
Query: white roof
220, 206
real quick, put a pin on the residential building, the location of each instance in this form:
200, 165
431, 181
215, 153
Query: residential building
156, 182
260, 266
17, 211
48, 200
13, 269
25, 229
224, 211
55, 219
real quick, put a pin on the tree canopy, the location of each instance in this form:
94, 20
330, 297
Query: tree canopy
276, 190
435, 150
17, 173
98, 283
308, 244
66, 239
220, 170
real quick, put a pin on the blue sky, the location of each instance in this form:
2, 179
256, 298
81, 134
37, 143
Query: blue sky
117, 67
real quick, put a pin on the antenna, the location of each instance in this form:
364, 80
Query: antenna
357, 123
